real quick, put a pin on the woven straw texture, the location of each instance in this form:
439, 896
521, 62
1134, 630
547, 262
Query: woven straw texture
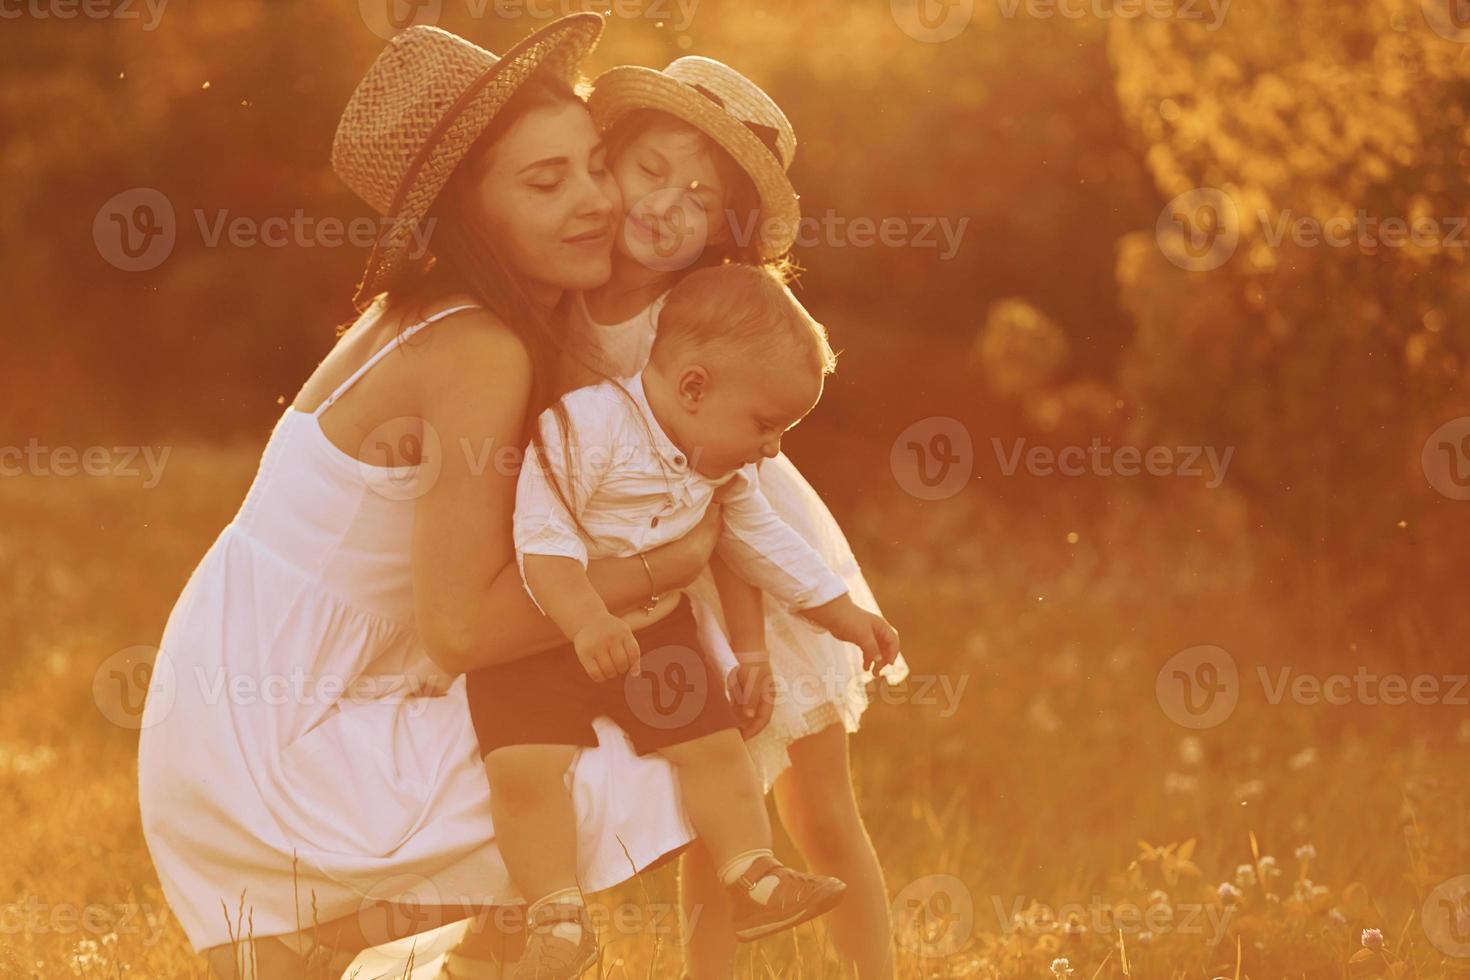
741, 104
417, 111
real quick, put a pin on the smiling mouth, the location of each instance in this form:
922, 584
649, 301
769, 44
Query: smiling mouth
646, 229
591, 236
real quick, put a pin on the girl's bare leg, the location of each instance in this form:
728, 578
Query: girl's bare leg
704, 905
819, 811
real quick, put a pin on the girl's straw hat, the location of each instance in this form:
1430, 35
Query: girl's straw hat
418, 110
730, 109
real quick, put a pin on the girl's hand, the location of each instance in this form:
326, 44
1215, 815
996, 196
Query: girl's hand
753, 696
846, 620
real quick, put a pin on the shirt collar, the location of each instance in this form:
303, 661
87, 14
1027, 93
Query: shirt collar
671, 454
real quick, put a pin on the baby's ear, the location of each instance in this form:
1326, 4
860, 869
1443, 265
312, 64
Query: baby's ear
693, 386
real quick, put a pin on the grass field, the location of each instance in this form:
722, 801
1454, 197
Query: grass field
1009, 789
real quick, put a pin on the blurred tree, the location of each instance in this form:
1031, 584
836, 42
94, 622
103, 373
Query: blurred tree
1325, 364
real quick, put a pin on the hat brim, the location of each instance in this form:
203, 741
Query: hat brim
560, 47
628, 88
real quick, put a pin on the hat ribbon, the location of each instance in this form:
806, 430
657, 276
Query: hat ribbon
766, 134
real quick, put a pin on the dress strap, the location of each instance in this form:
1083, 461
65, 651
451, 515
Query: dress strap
383, 352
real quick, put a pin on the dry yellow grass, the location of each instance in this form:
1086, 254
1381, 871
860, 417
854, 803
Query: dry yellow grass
1009, 812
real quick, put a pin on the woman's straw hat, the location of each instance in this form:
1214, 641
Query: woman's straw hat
418, 110
729, 108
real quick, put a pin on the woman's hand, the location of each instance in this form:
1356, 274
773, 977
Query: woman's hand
679, 563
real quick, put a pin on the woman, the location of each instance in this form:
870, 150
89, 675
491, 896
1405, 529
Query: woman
371, 562
700, 154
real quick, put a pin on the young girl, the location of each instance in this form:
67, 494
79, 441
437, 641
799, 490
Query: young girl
700, 155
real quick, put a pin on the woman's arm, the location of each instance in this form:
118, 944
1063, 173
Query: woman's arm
474, 379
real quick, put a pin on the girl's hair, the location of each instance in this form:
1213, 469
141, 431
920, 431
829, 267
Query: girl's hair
743, 214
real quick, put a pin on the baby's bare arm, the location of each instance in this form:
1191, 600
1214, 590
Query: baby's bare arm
561, 587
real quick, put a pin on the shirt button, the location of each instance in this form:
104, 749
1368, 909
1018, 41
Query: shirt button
679, 460
654, 522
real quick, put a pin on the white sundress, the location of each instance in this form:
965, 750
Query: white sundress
293, 711
821, 680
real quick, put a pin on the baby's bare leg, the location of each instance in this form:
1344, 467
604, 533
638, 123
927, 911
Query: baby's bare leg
722, 794
535, 824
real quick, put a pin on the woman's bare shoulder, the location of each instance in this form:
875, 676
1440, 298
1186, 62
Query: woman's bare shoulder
471, 356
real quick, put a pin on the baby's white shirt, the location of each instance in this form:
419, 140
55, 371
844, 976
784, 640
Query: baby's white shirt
633, 489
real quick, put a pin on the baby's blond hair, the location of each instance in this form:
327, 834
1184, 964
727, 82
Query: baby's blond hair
737, 312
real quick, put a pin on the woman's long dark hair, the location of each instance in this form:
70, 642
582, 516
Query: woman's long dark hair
463, 258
